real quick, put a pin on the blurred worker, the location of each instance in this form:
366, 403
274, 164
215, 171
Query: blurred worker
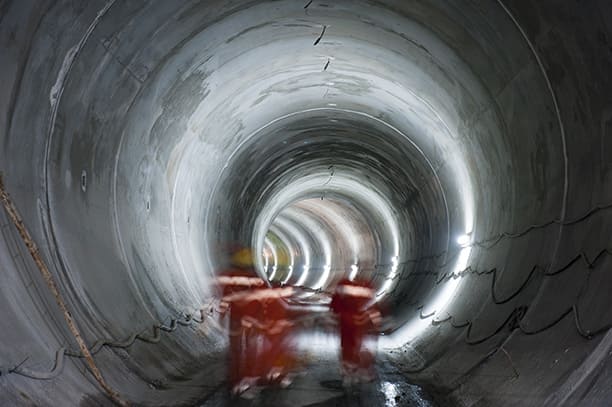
236, 284
359, 319
270, 357
278, 357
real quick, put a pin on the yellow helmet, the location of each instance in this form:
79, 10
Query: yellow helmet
243, 258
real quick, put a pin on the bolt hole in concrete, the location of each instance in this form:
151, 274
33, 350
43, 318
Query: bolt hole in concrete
84, 181
441, 151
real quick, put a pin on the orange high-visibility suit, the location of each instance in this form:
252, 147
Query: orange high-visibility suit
236, 285
269, 355
358, 318
278, 356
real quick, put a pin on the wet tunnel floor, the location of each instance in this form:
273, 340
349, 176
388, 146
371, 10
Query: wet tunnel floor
320, 385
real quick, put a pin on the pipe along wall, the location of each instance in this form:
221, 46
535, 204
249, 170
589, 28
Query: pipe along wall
458, 154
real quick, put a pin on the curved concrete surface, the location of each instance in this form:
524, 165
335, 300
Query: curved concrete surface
455, 153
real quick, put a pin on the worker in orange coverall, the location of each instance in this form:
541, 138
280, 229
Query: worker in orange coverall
236, 284
359, 319
277, 356
266, 318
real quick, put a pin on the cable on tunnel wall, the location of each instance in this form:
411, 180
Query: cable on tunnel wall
514, 323
62, 352
50, 282
514, 320
521, 311
490, 242
555, 102
452, 275
515, 317
58, 367
143, 336
474, 43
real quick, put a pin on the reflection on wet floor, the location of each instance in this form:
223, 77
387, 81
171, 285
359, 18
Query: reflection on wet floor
320, 383
321, 386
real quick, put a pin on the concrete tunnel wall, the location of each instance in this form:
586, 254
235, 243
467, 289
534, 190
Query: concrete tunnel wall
139, 136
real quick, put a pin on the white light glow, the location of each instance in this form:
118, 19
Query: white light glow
354, 270
286, 243
302, 279
436, 306
316, 228
445, 295
377, 205
289, 271
296, 234
266, 256
274, 259
464, 240
390, 392
390, 277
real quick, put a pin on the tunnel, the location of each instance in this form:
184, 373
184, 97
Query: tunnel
453, 153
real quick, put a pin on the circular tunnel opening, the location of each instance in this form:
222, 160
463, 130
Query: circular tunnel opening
415, 145
324, 194
329, 238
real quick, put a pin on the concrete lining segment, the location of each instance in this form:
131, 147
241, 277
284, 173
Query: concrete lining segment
173, 113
